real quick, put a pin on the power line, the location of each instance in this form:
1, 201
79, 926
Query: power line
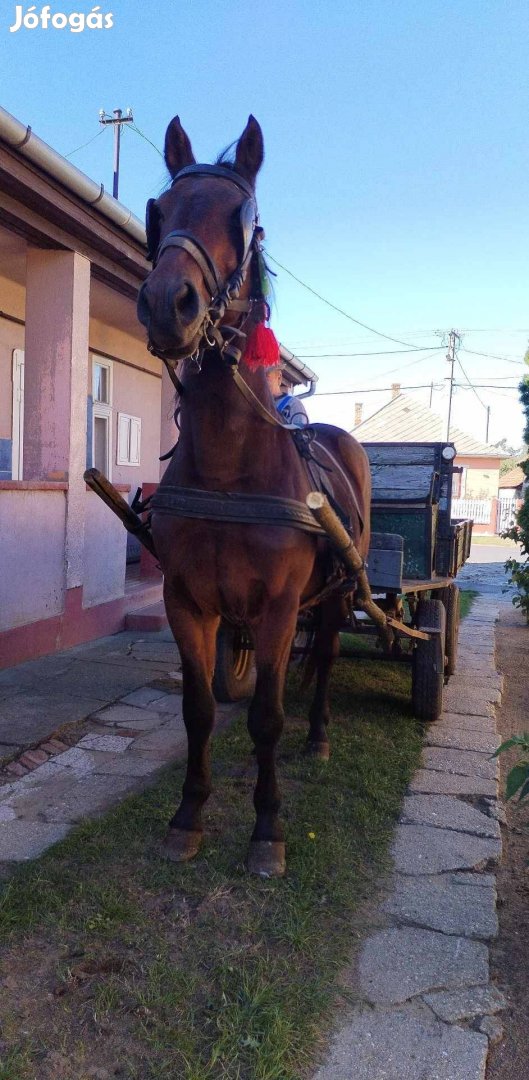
78, 148
386, 352
491, 356
134, 127
469, 383
373, 390
339, 309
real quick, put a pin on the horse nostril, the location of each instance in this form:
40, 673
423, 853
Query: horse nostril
186, 302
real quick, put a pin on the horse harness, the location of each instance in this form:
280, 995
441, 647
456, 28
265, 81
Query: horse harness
229, 340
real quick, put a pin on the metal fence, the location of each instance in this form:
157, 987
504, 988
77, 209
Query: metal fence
506, 513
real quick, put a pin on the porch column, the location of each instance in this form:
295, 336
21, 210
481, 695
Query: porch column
168, 428
56, 385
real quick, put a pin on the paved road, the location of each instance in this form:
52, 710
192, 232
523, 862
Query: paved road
485, 569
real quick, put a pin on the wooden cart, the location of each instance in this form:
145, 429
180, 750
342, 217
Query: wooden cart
416, 551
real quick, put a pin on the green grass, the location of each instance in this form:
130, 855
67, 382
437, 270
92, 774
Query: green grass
201, 972
467, 599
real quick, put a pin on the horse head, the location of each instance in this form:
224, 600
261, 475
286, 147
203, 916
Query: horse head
201, 235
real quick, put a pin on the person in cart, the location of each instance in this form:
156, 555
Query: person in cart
290, 408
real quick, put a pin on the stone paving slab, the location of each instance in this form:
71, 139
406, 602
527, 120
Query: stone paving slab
408, 1043
129, 764
445, 902
69, 799
493, 681
142, 697
453, 1005
444, 735
462, 762
473, 702
24, 840
167, 740
467, 723
127, 715
400, 963
420, 849
110, 744
444, 812
431, 782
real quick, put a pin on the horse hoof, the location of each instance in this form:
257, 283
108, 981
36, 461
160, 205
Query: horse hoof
266, 858
319, 750
180, 845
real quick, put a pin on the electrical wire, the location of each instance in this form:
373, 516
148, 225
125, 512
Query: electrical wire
78, 148
340, 310
472, 387
491, 356
135, 128
386, 352
374, 390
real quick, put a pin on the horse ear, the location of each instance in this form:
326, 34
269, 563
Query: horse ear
177, 150
250, 150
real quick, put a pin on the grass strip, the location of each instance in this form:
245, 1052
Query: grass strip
154, 971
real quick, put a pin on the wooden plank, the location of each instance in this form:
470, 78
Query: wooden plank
384, 568
403, 453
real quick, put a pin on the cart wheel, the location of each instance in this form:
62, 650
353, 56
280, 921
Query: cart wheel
453, 613
234, 675
429, 662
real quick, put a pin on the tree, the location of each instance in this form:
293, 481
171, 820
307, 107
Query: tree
519, 570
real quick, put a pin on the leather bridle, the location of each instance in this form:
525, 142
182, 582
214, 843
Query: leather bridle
229, 340
224, 294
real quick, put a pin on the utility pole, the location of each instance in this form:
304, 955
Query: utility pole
117, 120
487, 424
453, 341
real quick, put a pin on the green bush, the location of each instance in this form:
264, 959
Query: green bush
518, 570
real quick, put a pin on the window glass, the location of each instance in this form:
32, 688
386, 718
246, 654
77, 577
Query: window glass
100, 450
101, 389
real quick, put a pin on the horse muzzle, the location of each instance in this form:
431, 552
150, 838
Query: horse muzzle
172, 313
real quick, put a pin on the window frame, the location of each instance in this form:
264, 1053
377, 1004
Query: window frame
121, 459
102, 410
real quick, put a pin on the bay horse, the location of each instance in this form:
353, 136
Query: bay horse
229, 538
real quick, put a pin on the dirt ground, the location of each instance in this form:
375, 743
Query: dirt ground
510, 953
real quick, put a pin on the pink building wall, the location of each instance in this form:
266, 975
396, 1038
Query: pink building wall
32, 581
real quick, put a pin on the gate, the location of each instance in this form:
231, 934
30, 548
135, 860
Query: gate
506, 513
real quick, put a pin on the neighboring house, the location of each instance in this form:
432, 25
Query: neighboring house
77, 387
511, 483
403, 419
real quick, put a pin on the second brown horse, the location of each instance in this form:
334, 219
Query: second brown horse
254, 575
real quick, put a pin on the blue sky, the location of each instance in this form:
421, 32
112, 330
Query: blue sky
395, 179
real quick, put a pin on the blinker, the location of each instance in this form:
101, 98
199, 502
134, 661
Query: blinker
152, 228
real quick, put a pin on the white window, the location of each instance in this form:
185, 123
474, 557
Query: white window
129, 440
17, 467
102, 415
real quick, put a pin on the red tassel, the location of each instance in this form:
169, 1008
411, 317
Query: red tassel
262, 348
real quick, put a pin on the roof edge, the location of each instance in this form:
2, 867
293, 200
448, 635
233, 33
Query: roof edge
22, 139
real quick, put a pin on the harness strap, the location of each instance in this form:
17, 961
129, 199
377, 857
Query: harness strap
183, 239
234, 507
256, 404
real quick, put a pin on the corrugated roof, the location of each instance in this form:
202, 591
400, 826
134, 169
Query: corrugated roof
403, 419
513, 478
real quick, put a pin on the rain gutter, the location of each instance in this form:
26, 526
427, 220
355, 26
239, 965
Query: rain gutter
305, 373
21, 138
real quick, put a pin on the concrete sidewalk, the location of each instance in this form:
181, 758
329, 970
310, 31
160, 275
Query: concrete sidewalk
82, 729
426, 1009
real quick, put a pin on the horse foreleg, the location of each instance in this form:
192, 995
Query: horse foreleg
196, 640
326, 651
273, 638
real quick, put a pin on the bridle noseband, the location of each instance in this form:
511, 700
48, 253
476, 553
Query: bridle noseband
224, 295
